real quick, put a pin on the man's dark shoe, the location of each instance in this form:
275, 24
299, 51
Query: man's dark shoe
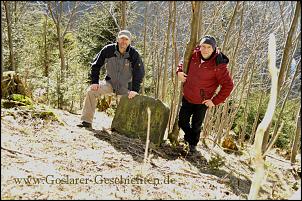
85, 124
193, 149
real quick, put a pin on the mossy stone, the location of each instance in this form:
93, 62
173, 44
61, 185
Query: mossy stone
131, 118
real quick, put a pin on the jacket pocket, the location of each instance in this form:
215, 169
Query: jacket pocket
127, 70
202, 94
208, 94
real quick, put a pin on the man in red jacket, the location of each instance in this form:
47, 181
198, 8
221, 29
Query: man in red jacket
207, 70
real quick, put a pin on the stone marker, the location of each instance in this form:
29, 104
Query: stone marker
131, 118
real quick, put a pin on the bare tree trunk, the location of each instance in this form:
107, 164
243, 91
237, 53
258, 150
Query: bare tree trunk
225, 119
255, 124
173, 74
9, 35
222, 123
123, 14
200, 24
158, 52
226, 37
282, 17
156, 91
62, 74
145, 38
57, 17
153, 60
216, 16
275, 133
1, 57
46, 58
242, 134
207, 125
173, 136
258, 160
160, 82
165, 76
233, 58
243, 78
176, 62
46, 63
288, 45
159, 71
290, 59
297, 139
218, 119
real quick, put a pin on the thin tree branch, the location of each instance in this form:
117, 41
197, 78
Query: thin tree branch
70, 18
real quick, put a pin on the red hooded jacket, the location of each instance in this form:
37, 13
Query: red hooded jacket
204, 77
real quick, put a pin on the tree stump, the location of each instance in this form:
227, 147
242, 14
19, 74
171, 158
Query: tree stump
131, 118
13, 84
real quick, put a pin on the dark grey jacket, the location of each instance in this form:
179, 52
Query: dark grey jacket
124, 72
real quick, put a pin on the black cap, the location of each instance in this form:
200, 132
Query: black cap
209, 40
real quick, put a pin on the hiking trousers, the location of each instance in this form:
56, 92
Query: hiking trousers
90, 101
191, 128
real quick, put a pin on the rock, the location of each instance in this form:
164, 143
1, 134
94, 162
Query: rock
131, 118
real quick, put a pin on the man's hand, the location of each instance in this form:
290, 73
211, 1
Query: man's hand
182, 76
131, 94
208, 103
95, 87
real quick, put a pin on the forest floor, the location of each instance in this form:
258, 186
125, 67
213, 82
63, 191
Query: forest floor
49, 157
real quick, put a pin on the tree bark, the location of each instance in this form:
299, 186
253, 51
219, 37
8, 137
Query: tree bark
165, 76
275, 132
57, 16
288, 45
145, 38
7, 8
1, 58
46, 63
246, 110
297, 139
62, 74
242, 79
200, 24
291, 58
233, 58
173, 136
255, 124
219, 118
46, 57
159, 71
123, 14
226, 37
173, 74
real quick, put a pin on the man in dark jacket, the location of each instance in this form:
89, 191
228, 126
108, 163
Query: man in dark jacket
207, 70
125, 72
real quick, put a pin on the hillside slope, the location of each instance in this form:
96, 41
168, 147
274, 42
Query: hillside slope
49, 157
